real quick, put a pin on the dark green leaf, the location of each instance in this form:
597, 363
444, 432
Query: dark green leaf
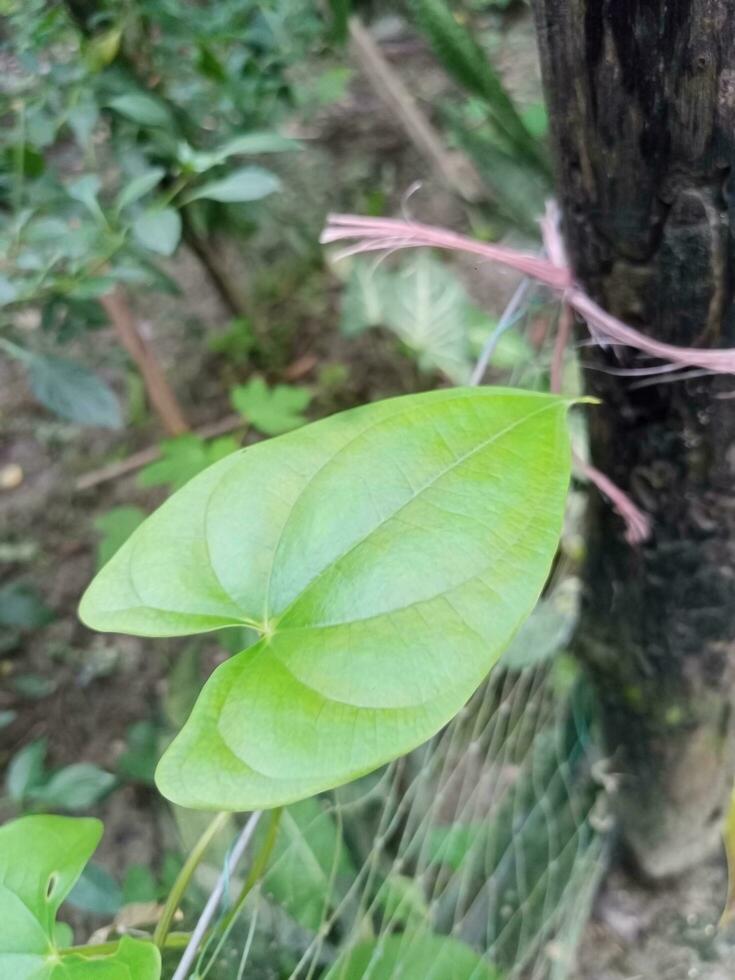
402, 902
8, 291
158, 230
97, 892
209, 64
143, 109
257, 142
74, 787
450, 845
140, 186
138, 761
116, 526
465, 60
235, 343
546, 631
26, 770
85, 190
34, 686
340, 11
73, 392
139, 885
22, 607
183, 684
7, 717
82, 119
308, 861
247, 184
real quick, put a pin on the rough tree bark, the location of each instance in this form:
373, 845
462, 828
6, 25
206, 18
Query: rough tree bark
642, 104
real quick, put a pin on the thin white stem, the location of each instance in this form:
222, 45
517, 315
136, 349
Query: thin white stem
182, 970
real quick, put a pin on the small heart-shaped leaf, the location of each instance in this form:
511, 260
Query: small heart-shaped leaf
40, 860
386, 555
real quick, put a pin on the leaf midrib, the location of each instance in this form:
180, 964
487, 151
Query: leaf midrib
480, 447
314, 476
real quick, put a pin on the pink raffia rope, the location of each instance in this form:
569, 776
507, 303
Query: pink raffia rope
388, 234
381, 234
637, 523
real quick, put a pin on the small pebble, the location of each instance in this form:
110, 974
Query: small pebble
11, 476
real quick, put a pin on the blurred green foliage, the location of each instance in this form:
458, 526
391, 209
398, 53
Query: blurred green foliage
127, 128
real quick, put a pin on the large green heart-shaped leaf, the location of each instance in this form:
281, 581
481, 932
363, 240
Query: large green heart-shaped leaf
387, 555
40, 860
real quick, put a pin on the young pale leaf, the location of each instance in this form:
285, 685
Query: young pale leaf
158, 230
73, 392
413, 955
386, 555
101, 50
363, 298
246, 184
428, 309
272, 411
423, 303
40, 860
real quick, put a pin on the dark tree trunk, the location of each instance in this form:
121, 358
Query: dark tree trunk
642, 103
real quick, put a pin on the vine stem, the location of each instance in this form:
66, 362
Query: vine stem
255, 874
174, 940
214, 899
184, 877
160, 392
